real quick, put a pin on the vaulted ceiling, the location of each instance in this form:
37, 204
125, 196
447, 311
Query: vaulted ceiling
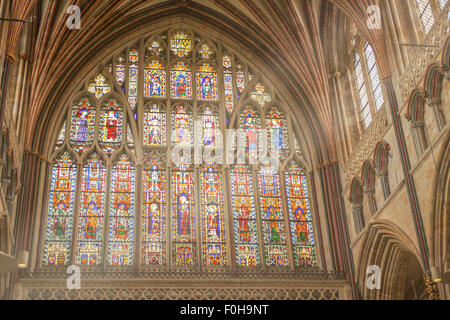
299, 41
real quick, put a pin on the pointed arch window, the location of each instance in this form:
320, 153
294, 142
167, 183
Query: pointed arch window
91, 222
244, 217
122, 212
300, 218
425, 14
184, 219
154, 224
367, 83
61, 210
116, 198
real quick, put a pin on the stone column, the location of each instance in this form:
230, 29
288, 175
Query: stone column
436, 105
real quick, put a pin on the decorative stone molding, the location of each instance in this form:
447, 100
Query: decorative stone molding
364, 149
305, 285
421, 58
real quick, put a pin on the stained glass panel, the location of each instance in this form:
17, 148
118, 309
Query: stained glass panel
213, 223
122, 212
300, 217
184, 231
111, 126
205, 52
228, 83
61, 136
211, 123
154, 126
155, 48
182, 127
154, 229
207, 83
130, 138
181, 82
155, 80
91, 220
272, 218
276, 125
60, 211
181, 44
99, 86
83, 126
260, 95
133, 78
120, 70
240, 80
244, 217
250, 122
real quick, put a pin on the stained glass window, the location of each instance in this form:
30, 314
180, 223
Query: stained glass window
213, 223
300, 217
207, 83
99, 86
60, 211
120, 70
250, 122
210, 121
182, 127
154, 126
61, 136
91, 221
228, 83
111, 126
155, 80
154, 225
273, 226
184, 231
244, 217
133, 78
83, 126
122, 212
181, 44
276, 125
240, 80
205, 52
260, 95
130, 138
181, 82
155, 48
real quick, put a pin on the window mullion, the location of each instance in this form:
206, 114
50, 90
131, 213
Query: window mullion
368, 82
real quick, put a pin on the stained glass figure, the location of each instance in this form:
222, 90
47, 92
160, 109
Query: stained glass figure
61, 136
99, 86
244, 217
276, 125
207, 83
154, 225
155, 80
300, 217
181, 44
184, 231
122, 212
212, 224
273, 225
83, 126
154, 126
91, 220
58, 236
111, 126
133, 78
250, 122
181, 82
211, 123
260, 95
120, 70
182, 127
228, 83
